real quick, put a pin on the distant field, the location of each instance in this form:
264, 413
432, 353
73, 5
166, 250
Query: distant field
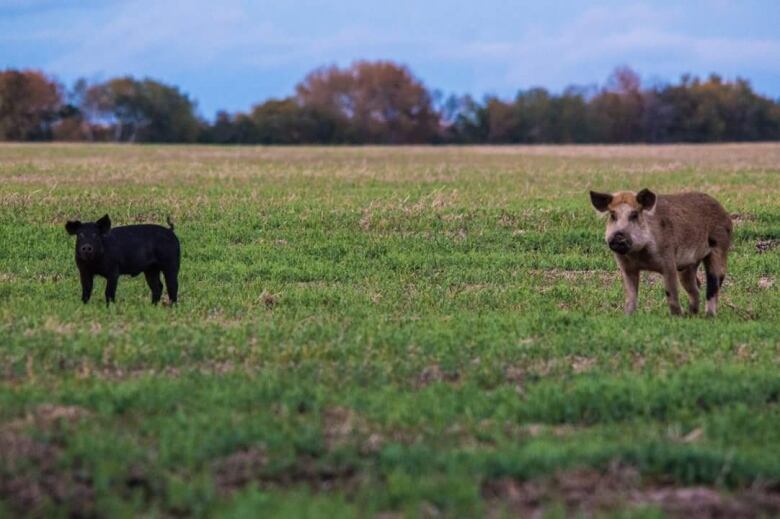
401, 331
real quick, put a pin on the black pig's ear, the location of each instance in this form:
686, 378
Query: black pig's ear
72, 226
104, 224
600, 201
646, 199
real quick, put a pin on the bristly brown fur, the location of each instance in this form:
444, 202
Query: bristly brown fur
669, 234
624, 197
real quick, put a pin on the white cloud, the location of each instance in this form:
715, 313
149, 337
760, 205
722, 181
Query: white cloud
146, 34
143, 32
201, 39
600, 39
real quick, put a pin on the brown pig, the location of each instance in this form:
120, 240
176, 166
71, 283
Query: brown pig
669, 234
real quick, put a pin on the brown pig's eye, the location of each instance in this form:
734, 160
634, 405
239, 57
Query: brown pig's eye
633, 216
612, 216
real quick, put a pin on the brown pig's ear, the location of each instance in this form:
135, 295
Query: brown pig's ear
600, 201
646, 199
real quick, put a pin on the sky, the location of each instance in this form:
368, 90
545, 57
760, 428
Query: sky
232, 54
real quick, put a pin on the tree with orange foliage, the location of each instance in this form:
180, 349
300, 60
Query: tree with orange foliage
379, 102
29, 104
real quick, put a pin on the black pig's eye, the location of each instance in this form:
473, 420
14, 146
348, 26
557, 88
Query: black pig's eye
612, 216
633, 216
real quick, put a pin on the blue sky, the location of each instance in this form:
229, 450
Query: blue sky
230, 54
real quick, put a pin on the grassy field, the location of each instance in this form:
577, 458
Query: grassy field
382, 331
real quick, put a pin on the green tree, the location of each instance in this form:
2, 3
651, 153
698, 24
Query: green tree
618, 108
145, 111
286, 121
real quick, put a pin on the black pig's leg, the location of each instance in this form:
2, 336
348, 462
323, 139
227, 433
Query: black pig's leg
86, 285
153, 279
172, 283
111, 282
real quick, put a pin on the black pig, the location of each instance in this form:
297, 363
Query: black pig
131, 249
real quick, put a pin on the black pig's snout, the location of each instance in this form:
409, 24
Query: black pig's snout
86, 251
620, 243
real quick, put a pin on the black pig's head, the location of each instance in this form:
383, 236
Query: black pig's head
89, 237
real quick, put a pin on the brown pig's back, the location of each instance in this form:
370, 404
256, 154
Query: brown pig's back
690, 219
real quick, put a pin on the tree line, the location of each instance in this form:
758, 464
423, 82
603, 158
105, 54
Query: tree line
382, 102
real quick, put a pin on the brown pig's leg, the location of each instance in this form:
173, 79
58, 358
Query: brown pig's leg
631, 287
715, 265
670, 283
691, 285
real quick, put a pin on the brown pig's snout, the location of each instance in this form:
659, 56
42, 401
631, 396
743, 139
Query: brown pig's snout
619, 242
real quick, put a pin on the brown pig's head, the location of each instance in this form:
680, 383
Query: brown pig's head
627, 226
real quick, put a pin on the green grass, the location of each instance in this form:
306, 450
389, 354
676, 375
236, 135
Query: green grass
366, 330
